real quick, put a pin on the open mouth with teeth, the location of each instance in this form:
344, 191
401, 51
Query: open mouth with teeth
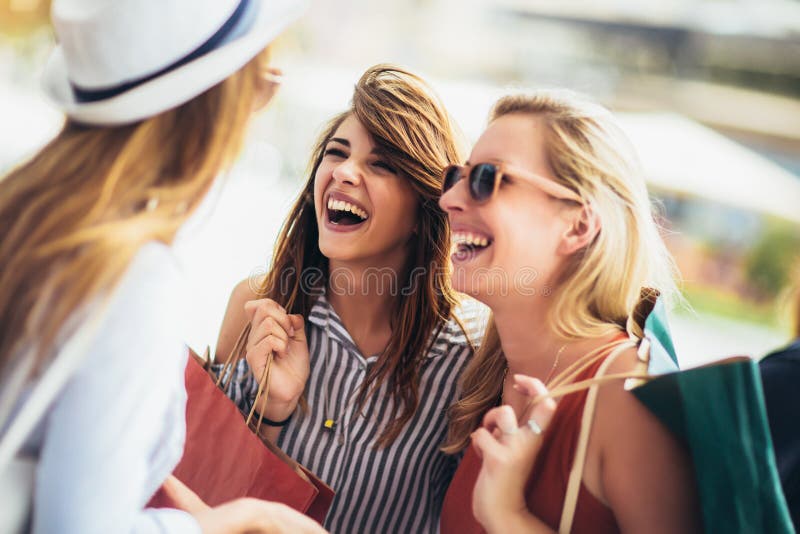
468, 244
344, 213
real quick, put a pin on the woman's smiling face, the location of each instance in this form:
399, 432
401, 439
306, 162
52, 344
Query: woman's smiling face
366, 210
513, 241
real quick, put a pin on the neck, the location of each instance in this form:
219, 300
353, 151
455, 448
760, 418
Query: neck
363, 295
529, 345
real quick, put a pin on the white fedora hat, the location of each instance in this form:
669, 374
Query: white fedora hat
121, 61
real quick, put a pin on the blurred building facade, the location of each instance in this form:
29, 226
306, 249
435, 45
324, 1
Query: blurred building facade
708, 91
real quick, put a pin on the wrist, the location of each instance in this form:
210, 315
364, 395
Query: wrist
272, 422
506, 519
518, 520
277, 410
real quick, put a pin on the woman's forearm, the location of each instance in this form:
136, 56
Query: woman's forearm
521, 522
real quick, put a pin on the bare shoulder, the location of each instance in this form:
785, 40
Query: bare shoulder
618, 410
636, 452
235, 317
246, 290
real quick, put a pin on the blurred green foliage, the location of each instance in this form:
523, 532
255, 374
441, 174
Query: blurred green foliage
771, 261
730, 304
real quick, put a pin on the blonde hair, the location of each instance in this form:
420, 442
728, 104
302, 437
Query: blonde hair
589, 154
76, 213
411, 126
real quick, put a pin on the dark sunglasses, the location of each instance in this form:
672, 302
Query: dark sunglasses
484, 181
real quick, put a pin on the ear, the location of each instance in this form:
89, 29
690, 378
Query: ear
581, 232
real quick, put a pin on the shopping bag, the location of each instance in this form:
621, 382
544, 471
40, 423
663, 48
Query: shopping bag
718, 411
223, 459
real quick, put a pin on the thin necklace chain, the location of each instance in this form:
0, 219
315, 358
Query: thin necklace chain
546, 380
330, 422
555, 365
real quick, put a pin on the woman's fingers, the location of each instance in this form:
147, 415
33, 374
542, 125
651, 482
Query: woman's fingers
257, 355
299, 327
290, 521
502, 419
486, 445
528, 385
542, 411
183, 497
278, 345
258, 310
268, 327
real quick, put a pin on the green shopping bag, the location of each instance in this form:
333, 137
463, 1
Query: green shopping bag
718, 411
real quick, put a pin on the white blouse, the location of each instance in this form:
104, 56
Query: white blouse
117, 429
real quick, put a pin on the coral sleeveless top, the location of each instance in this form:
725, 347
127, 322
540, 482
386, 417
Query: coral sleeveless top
547, 484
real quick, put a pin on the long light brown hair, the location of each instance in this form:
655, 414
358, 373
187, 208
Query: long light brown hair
408, 122
74, 216
602, 282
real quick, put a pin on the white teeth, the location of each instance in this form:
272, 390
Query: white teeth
468, 238
341, 205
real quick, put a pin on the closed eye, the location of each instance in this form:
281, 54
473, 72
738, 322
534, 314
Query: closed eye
335, 152
385, 166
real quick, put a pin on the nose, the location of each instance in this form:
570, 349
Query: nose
347, 172
455, 199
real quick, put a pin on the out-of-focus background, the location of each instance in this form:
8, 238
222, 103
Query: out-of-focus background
708, 91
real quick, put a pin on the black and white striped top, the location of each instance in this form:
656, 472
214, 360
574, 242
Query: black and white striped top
399, 488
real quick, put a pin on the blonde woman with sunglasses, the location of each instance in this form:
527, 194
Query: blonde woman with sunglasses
552, 198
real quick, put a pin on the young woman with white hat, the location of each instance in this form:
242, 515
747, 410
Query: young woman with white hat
158, 96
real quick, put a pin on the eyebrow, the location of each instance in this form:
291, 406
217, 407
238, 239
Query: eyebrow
488, 160
340, 140
378, 151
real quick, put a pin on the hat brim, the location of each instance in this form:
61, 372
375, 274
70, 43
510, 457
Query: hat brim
177, 86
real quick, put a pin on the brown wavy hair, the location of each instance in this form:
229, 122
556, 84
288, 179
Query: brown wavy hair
75, 215
407, 121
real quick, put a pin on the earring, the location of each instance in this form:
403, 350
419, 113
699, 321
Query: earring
152, 204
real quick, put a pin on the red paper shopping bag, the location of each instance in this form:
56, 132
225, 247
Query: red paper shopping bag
223, 459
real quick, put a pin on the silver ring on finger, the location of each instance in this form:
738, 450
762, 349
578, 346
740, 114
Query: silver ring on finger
534, 426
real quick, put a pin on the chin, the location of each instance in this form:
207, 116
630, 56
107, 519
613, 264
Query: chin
467, 280
333, 252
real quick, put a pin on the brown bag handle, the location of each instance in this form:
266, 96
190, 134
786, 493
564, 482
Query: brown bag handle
233, 359
579, 462
593, 384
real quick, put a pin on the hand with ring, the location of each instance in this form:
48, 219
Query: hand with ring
509, 447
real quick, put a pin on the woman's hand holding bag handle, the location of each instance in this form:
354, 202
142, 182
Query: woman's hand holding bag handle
244, 515
275, 347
